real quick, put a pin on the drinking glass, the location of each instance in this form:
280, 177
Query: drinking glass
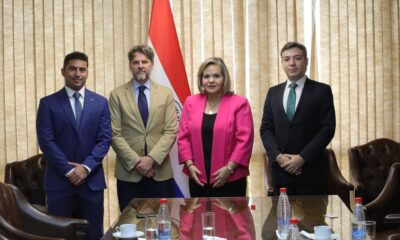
208, 221
370, 230
151, 228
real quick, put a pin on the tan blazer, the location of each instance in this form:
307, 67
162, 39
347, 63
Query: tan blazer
130, 135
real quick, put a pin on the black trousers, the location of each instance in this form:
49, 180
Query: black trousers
145, 188
230, 189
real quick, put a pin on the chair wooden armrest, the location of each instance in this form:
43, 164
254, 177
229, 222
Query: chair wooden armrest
388, 200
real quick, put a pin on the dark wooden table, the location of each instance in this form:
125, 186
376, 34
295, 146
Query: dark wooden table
241, 218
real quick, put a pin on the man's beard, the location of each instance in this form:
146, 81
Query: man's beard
142, 77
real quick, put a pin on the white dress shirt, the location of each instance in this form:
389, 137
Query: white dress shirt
136, 86
71, 97
299, 89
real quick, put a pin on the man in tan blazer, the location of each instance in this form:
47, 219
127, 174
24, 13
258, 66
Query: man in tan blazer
144, 124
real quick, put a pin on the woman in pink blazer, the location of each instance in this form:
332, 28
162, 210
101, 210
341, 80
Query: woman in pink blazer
215, 137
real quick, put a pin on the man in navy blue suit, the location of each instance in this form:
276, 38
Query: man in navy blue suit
74, 133
297, 125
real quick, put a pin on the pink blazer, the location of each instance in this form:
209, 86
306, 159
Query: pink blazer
233, 135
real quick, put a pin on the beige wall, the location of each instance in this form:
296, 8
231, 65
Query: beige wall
356, 51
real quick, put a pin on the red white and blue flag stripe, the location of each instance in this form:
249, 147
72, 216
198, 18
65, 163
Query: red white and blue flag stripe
169, 70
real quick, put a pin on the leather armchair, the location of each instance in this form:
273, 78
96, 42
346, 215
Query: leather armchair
19, 220
28, 176
388, 200
369, 166
337, 184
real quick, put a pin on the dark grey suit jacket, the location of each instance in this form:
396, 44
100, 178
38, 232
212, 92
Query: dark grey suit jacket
308, 134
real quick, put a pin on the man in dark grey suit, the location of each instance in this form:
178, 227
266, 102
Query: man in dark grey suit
298, 123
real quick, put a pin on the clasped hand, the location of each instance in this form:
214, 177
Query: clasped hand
78, 174
219, 177
291, 163
145, 167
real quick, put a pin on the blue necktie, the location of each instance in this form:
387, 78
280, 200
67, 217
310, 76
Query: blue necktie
142, 104
78, 108
291, 102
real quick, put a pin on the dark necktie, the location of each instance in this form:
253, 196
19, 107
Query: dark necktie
291, 102
142, 104
78, 108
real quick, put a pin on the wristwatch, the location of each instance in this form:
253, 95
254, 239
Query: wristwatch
230, 168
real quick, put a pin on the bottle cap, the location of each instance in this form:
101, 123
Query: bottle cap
293, 221
253, 207
358, 200
282, 189
163, 200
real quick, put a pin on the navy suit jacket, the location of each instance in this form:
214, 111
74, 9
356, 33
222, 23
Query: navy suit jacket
61, 140
308, 134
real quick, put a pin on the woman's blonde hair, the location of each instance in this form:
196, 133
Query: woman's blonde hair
226, 89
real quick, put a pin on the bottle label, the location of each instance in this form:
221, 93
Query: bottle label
283, 221
165, 235
283, 227
358, 233
164, 231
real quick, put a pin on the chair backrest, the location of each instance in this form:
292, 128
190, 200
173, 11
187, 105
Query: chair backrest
370, 164
28, 176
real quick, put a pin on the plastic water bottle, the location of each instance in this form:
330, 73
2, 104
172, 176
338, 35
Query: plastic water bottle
163, 221
358, 229
293, 231
283, 213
